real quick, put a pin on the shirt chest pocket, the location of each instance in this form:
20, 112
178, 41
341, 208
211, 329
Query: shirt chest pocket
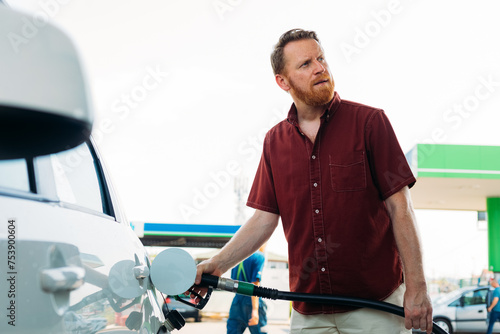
348, 172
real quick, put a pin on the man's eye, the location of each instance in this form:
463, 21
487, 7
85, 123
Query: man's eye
304, 64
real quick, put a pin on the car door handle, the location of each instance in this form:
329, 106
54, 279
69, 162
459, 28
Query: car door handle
62, 279
480, 311
127, 279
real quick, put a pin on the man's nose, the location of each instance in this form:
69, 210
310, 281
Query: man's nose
319, 67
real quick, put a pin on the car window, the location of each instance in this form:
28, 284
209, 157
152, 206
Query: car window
14, 174
76, 178
476, 297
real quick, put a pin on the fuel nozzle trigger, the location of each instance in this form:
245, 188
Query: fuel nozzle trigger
202, 300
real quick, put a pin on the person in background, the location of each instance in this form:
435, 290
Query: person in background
494, 307
248, 311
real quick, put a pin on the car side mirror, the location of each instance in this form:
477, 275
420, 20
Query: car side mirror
44, 98
462, 301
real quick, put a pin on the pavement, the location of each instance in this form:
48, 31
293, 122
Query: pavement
219, 327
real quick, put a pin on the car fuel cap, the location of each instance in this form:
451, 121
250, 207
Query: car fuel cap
173, 271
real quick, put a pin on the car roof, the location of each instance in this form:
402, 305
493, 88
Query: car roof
445, 298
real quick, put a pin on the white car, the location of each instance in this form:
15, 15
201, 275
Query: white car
73, 263
463, 311
70, 262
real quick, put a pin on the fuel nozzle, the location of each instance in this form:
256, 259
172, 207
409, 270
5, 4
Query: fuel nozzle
242, 288
220, 283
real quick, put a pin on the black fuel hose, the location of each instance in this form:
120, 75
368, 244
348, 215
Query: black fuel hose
249, 289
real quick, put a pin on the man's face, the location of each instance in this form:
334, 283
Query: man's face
307, 73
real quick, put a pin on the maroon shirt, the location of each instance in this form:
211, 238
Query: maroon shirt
330, 196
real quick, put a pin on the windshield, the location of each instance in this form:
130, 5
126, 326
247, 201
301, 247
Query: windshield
442, 298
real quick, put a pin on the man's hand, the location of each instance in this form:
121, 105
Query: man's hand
205, 267
209, 266
418, 310
494, 302
254, 320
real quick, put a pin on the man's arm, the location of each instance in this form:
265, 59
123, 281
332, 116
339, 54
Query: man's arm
417, 304
257, 230
493, 304
254, 318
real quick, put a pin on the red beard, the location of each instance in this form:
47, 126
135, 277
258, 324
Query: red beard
316, 95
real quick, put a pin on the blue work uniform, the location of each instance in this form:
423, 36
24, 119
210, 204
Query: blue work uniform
250, 270
495, 312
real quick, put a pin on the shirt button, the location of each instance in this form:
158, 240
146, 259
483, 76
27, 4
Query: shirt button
314, 157
317, 211
323, 269
315, 184
319, 239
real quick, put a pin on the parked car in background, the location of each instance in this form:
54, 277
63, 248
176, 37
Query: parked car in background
172, 303
463, 310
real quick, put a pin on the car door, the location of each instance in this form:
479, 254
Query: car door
471, 314
77, 265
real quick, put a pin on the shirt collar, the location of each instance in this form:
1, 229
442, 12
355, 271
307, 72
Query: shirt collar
329, 112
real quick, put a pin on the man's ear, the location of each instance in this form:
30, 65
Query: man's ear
282, 82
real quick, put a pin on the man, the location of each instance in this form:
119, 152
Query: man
494, 307
248, 311
335, 173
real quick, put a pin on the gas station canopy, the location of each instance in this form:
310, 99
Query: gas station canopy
454, 177
184, 235
460, 177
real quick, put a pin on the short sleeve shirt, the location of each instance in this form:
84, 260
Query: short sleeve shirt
496, 294
252, 269
330, 195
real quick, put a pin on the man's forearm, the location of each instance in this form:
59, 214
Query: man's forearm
407, 237
257, 230
255, 304
493, 304
417, 304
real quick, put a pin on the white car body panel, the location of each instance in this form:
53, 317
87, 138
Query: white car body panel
51, 235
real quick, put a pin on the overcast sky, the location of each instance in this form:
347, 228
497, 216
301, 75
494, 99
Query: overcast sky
183, 93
